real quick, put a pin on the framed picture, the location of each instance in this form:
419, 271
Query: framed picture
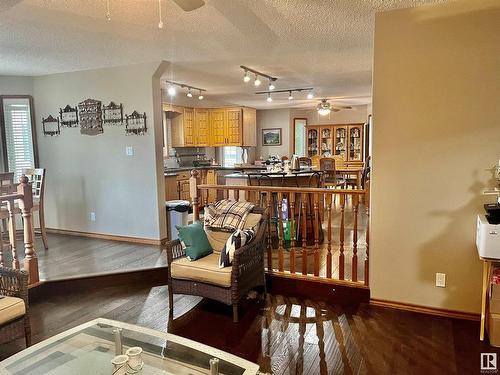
271, 137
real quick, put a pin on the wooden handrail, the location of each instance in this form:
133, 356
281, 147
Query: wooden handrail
282, 189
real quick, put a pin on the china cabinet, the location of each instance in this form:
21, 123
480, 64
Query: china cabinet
345, 140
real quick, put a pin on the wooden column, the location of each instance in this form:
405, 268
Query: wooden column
193, 192
367, 207
26, 205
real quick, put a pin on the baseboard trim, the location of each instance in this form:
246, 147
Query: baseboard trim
425, 310
112, 237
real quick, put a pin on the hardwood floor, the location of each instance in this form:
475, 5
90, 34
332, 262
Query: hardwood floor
283, 335
72, 256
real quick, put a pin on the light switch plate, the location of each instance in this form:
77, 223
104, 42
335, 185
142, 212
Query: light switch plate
441, 280
129, 151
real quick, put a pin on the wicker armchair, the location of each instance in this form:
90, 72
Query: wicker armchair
247, 273
14, 283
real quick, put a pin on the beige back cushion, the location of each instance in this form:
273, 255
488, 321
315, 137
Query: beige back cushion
218, 239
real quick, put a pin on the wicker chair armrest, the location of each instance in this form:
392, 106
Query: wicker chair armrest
174, 251
250, 257
14, 283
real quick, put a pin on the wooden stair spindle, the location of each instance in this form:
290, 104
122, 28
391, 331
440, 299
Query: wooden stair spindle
354, 271
329, 198
317, 228
367, 207
236, 195
26, 206
269, 240
304, 233
281, 251
12, 234
292, 232
193, 192
341, 239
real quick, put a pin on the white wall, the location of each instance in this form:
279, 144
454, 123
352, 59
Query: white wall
273, 118
92, 173
16, 85
436, 137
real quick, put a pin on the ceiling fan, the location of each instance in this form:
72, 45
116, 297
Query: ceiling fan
325, 107
189, 5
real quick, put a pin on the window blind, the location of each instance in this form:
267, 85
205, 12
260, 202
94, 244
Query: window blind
18, 135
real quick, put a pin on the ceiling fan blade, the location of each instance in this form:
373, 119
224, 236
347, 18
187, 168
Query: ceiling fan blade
189, 5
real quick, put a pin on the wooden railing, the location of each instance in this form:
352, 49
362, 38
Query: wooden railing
327, 229
24, 199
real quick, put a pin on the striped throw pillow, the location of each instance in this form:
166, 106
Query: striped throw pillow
239, 238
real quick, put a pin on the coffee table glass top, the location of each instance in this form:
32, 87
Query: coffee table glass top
90, 347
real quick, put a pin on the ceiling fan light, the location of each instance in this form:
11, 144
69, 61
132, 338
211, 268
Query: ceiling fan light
310, 95
324, 111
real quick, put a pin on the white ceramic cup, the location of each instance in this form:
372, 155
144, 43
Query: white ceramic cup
120, 364
135, 357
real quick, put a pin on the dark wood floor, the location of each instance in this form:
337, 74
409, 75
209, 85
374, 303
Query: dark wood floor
283, 335
73, 256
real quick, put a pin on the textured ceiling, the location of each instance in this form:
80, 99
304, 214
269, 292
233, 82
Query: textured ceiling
319, 43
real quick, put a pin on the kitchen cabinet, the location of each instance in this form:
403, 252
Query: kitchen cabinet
171, 192
216, 127
202, 127
328, 140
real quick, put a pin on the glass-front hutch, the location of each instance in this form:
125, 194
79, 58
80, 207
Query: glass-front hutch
328, 140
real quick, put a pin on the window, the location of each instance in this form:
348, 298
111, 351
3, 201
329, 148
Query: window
231, 156
18, 136
299, 140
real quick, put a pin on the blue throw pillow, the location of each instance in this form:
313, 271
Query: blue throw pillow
194, 240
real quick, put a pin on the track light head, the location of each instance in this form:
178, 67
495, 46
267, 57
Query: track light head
290, 97
271, 85
200, 97
257, 81
246, 77
189, 94
171, 91
269, 98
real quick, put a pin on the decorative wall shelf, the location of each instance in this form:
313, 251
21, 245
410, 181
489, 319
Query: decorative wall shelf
69, 116
135, 124
90, 111
113, 114
51, 126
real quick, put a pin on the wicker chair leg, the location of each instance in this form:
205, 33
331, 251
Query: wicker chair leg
235, 313
170, 300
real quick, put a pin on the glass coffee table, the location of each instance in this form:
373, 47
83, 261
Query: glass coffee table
90, 347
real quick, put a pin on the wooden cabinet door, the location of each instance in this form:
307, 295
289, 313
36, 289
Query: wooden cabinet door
184, 190
233, 126
202, 127
218, 127
355, 150
189, 137
340, 141
312, 141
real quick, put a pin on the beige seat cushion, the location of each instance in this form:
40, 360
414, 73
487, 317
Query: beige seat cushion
204, 270
11, 308
218, 239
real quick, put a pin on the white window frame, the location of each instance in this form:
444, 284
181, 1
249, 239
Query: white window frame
231, 155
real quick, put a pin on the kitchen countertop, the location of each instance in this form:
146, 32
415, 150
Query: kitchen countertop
174, 171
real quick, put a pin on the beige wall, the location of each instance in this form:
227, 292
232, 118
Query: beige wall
16, 85
273, 118
436, 136
93, 173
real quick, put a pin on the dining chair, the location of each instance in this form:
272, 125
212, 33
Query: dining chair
304, 161
37, 178
6, 187
330, 178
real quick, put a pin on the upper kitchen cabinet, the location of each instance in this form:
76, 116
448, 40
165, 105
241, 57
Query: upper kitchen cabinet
217, 127
202, 127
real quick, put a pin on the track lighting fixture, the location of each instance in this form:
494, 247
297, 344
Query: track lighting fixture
172, 91
258, 75
160, 23
269, 99
289, 91
246, 77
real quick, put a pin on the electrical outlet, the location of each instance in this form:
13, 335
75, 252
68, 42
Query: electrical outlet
441, 280
92, 216
129, 151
